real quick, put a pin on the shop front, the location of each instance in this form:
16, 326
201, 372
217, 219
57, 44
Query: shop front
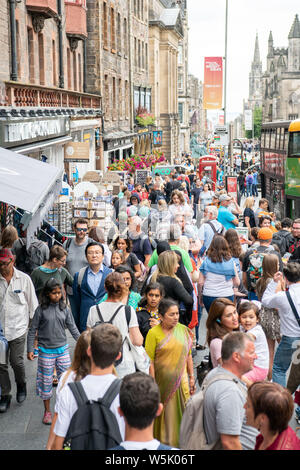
117, 146
41, 138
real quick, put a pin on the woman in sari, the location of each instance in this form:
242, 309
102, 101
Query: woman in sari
169, 347
269, 408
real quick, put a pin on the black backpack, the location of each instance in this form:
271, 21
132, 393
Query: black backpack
93, 425
282, 239
28, 260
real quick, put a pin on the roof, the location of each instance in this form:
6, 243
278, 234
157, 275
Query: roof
295, 29
169, 16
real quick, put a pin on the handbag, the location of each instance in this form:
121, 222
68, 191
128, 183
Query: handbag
203, 369
139, 356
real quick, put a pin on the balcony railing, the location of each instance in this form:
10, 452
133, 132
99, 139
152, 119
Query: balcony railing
46, 7
19, 94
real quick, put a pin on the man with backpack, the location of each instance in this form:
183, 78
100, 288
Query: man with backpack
214, 418
283, 238
140, 405
210, 227
141, 245
93, 399
252, 263
28, 259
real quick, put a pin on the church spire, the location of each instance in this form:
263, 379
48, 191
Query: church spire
270, 45
256, 59
295, 29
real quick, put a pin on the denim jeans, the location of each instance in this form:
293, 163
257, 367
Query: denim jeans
199, 320
249, 189
283, 358
254, 190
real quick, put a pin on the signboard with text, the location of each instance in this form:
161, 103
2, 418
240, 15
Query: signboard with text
77, 152
213, 83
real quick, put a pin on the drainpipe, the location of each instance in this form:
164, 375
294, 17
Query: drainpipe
61, 83
13, 39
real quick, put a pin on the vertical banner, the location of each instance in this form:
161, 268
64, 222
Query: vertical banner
213, 83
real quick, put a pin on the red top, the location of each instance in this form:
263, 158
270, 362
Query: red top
286, 440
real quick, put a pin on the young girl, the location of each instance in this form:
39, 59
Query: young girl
117, 258
249, 318
50, 320
269, 317
147, 312
80, 368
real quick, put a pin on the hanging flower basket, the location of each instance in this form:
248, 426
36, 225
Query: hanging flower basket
145, 119
137, 162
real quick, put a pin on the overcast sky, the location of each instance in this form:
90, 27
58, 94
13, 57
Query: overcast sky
206, 20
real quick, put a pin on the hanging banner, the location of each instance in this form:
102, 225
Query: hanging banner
213, 83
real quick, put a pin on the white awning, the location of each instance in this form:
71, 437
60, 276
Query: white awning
30, 185
40, 145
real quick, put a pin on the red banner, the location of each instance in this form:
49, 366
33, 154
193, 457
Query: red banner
213, 83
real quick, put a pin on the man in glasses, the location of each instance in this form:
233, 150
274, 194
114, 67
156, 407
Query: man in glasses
18, 303
76, 258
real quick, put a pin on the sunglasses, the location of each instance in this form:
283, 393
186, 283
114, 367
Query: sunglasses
81, 229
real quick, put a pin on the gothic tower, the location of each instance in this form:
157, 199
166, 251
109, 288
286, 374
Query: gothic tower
255, 79
294, 47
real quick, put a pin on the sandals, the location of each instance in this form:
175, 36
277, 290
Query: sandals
55, 381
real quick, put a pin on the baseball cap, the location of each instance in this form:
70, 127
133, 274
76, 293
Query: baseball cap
224, 197
6, 254
265, 233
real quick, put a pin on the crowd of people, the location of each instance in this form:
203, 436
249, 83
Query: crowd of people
133, 302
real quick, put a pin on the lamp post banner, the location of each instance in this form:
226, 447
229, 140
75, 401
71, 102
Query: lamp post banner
213, 83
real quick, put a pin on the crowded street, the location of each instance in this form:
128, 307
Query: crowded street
149, 244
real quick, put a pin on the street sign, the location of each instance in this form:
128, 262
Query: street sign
248, 119
221, 135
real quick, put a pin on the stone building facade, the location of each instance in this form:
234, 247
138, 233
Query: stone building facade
42, 72
281, 80
255, 79
165, 33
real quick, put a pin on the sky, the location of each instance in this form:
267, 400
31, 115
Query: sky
206, 20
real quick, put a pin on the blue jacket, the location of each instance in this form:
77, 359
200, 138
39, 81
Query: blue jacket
84, 297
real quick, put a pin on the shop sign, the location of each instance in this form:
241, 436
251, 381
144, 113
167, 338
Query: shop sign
141, 176
77, 152
231, 184
14, 133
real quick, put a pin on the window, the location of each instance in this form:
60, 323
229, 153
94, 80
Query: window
105, 26
294, 149
119, 33
120, 99
114, 98
18, 49
143, 55
41, 59
278, 138
74, 71
180, 54
79, 73
30, 55
126, 100
146, 56
139, 54
69, 68
180, 111
125, 38
135, 52
112, 30
54, 75
180, 81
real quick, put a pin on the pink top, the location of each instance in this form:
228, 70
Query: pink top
215, 348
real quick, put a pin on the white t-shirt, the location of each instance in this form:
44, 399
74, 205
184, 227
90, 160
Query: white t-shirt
261, 347
149, 445
215, 285
61, 384
107, 309
95, 387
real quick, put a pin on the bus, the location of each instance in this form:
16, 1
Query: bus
280, 167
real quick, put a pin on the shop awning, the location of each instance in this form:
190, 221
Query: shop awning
30, 185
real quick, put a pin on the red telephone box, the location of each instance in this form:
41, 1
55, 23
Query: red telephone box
208, 168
